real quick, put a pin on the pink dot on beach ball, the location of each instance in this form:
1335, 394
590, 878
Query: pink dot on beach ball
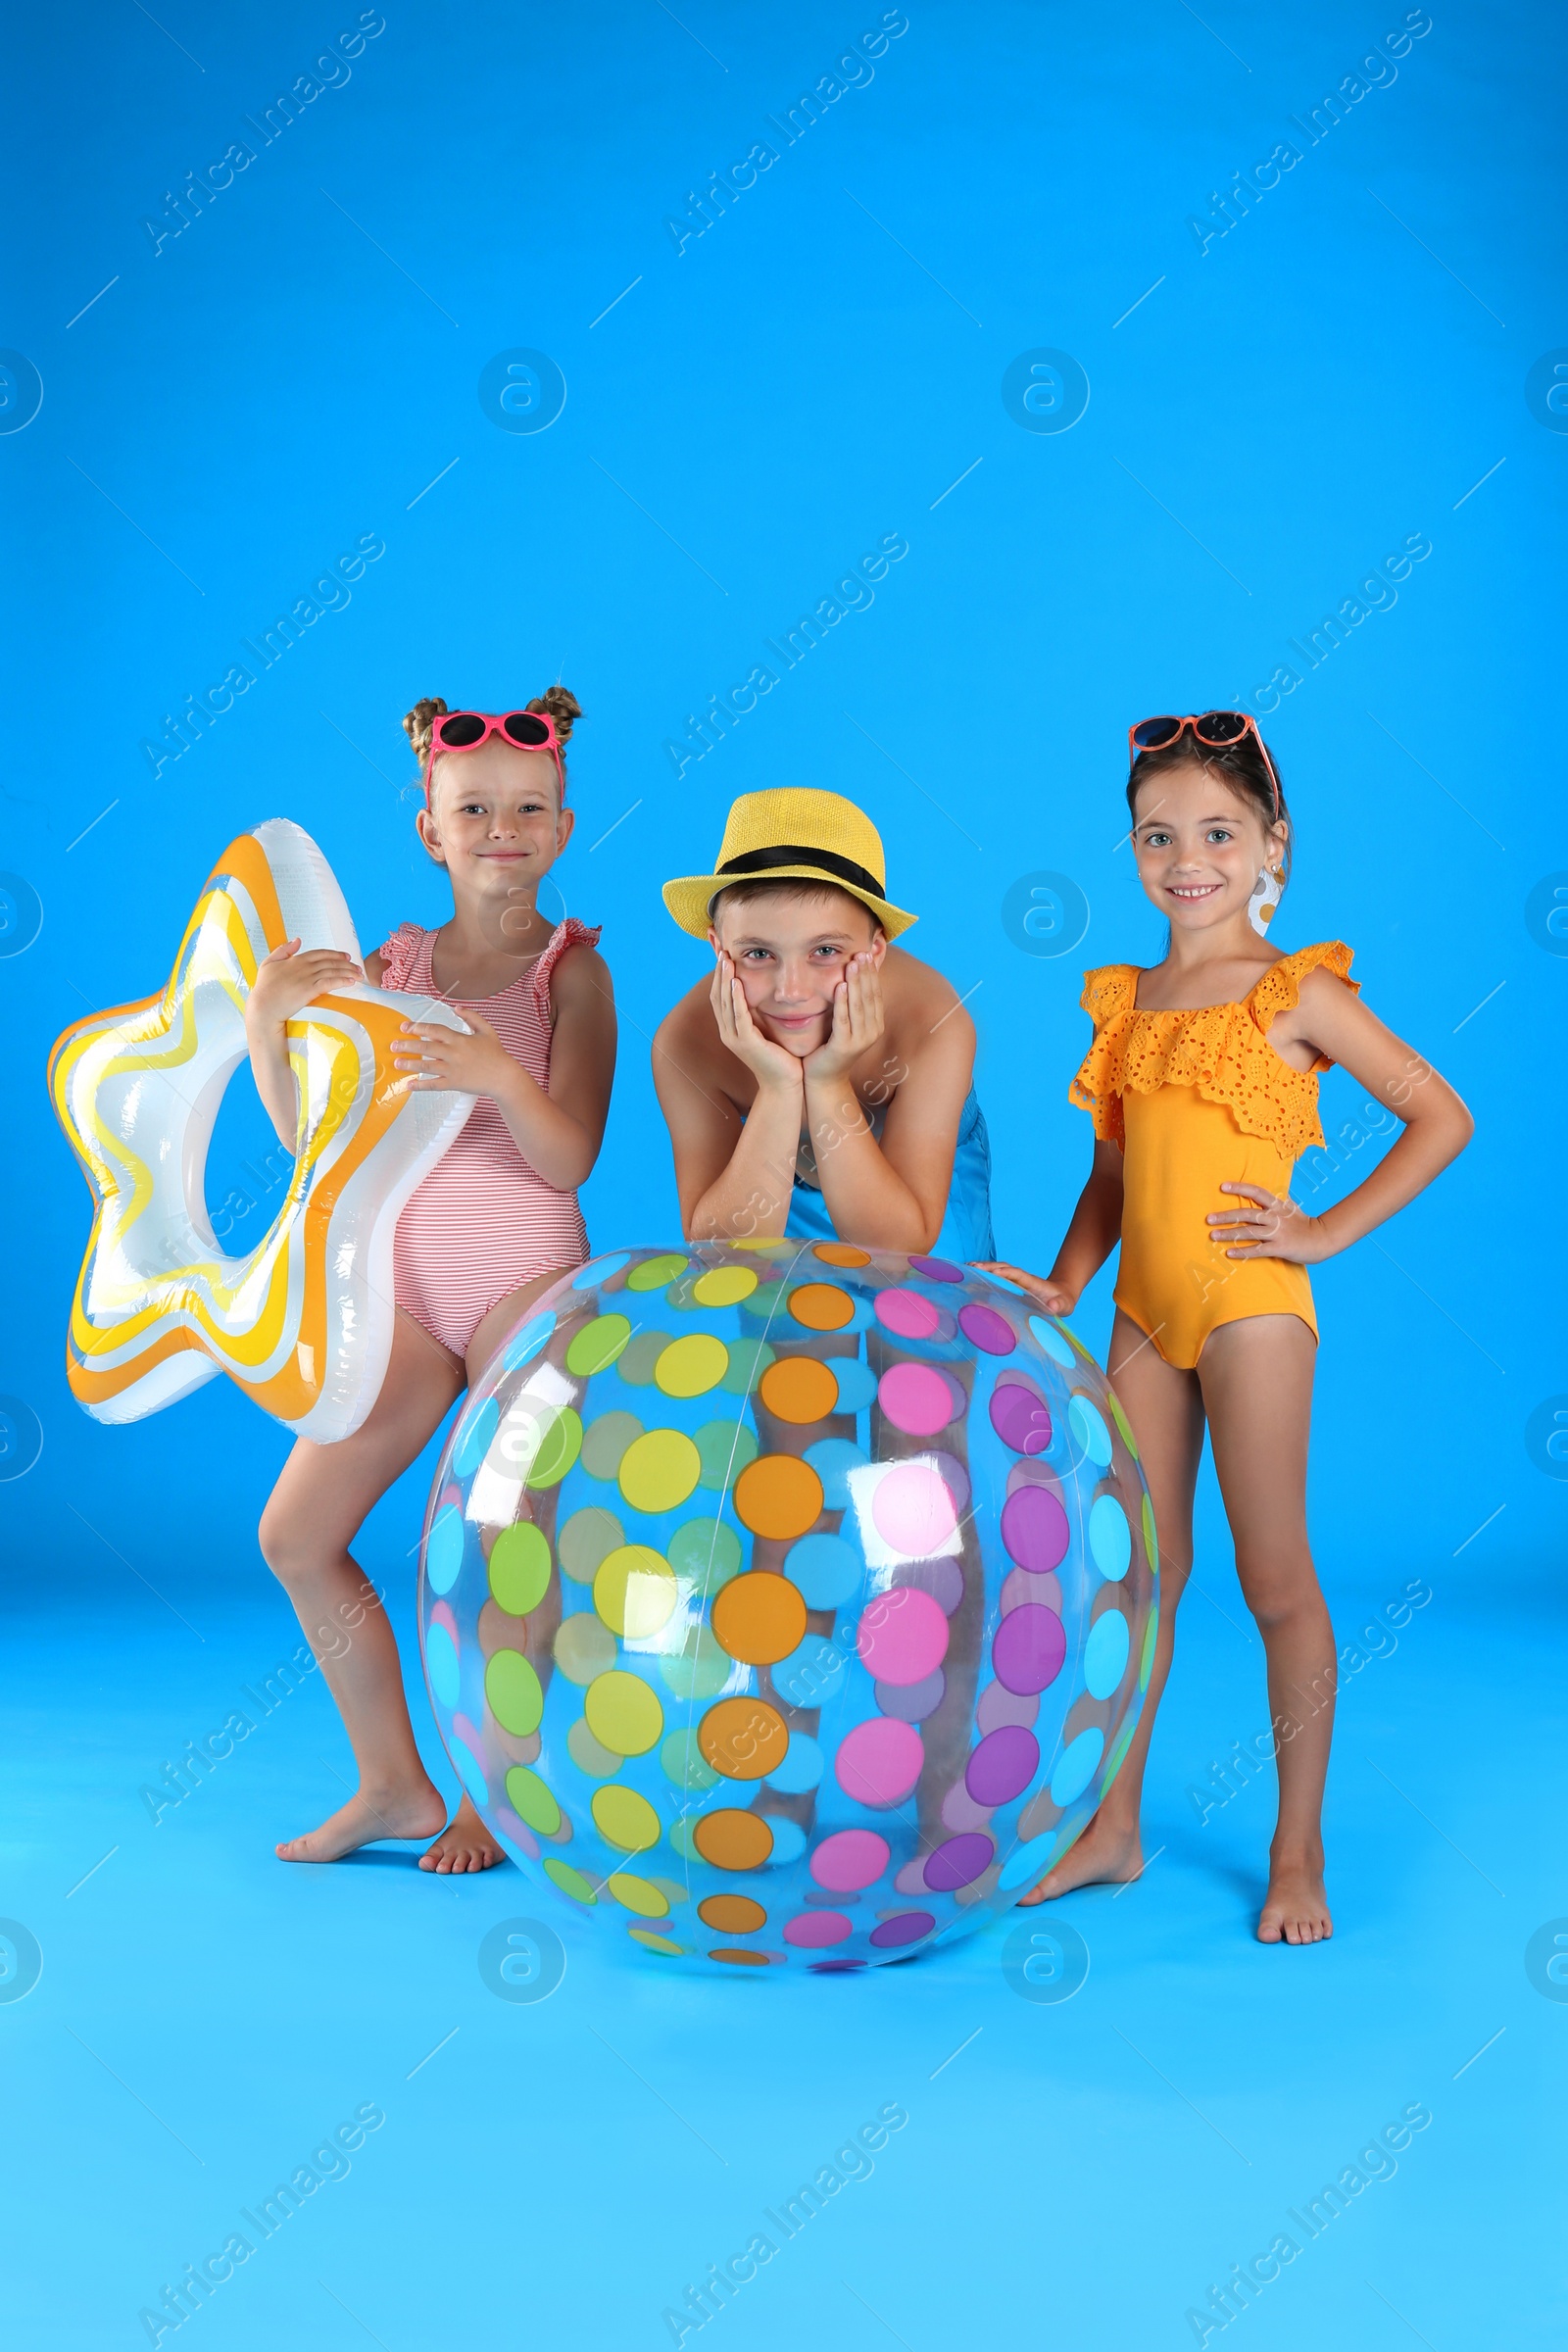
849, 1860
812, 1929
917, 1399
908, 1314
913, 1511
902, 1636
879, 1762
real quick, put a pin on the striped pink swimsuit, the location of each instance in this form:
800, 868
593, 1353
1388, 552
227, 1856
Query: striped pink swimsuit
482, 1222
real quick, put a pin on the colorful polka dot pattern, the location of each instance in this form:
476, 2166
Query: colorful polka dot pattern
717, 1548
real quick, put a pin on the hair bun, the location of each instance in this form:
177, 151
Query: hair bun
560, 704
417, 724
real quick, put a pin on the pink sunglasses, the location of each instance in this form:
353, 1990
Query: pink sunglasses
1214, 730
465, 730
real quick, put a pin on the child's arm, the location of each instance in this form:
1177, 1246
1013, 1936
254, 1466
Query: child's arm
1437, 1127
733, 1175
1090, 1238
286, 981
559, 1133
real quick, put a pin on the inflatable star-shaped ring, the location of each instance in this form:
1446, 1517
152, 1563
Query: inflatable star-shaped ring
303, 1324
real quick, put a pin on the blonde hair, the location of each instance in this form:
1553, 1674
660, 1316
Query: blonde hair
557, 702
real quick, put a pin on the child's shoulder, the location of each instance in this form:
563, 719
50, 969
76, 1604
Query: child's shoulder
911, 985
571, 964
688, 1054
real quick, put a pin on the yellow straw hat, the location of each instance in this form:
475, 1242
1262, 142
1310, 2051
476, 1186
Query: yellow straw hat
792, 835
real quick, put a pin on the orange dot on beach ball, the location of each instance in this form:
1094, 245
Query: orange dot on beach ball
732, 1914
799, 1388
840, 1253
733, 1841
778, 1496
758, 1618
744, 1738
821, 1306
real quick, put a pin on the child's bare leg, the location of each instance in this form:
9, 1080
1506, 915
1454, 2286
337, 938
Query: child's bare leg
1258, 1389
465, 1844
1165, 1409
312, 1516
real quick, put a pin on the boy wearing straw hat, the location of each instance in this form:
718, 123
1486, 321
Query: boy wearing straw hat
819, 1083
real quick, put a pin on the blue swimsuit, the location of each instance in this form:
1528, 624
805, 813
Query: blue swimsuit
966, 1221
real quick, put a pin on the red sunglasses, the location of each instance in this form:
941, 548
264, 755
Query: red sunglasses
465, 730
1215, 730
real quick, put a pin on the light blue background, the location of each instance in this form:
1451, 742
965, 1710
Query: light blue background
821, 368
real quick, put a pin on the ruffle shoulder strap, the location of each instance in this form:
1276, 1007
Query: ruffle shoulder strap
569, 934
1107, 998
1108, 991
1280, 989
398, 955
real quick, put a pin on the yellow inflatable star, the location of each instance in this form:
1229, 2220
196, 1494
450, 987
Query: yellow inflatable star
303, 1324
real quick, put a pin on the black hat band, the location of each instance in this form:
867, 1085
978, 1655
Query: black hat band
822, 862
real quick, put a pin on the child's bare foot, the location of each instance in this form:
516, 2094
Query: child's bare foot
1108, 1853
412, 1813
1296, 1908
466, 1844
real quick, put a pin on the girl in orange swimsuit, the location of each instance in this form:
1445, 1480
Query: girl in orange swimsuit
492, 1225
1201, 1082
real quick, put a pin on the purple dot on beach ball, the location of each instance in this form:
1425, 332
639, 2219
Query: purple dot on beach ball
937, 1269
913, 1701
958, 1862
988, 1331
1034, 1529
1029, 1649
1004, 1763
907, 1927
1020, 1418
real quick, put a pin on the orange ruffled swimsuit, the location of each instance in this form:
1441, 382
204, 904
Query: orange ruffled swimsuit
1198, 1100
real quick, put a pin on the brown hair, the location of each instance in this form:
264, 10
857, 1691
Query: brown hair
740, 894
1240, 766
558, 703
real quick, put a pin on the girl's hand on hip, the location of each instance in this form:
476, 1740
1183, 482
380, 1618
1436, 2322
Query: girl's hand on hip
1267, 1224
430, 1058
858, 1020
288, 980
770, 1065
1051, 1295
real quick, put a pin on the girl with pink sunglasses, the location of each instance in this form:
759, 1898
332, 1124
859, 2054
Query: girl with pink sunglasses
1201, 1082
492, 1225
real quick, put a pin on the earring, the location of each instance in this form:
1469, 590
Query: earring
1266, 892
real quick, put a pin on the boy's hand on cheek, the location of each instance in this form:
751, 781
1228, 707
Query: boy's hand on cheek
859, 1022
770, 1065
